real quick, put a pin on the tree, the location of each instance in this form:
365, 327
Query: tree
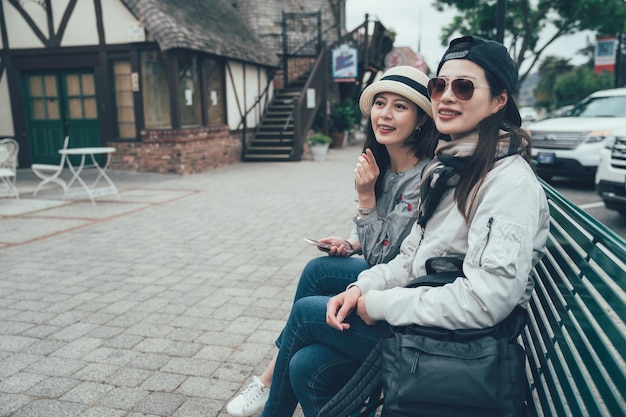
560, 83
526, 21
549, 71
577, 84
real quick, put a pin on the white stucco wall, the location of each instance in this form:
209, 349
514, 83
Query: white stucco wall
234, 79
120, 26
246, 89
19, 33
82, 27
6, 117
252, 92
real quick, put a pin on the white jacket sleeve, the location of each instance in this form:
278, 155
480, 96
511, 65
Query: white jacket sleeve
502, 241
395, 272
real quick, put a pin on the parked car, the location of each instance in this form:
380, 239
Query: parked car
528, 113
611, 174
570, 146
560, 112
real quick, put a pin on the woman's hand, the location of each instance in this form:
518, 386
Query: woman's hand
338, 247
365, 176
341, 306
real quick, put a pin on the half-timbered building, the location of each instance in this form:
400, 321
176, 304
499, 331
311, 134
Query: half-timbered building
175, 86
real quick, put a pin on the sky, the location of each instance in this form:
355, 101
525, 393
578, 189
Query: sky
417, 21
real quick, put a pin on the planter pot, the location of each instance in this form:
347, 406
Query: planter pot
339, 139
319, 151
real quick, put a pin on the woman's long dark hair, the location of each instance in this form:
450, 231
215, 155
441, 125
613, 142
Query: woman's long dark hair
483, 158
422, 142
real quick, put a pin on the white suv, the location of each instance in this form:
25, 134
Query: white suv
611, 175
570, 146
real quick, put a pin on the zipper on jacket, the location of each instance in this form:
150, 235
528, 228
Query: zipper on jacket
416, 359
489, 224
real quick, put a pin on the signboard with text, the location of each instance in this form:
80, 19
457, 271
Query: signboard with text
605, 54
344, 63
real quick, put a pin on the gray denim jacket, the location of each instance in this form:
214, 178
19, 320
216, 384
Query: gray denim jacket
381, 233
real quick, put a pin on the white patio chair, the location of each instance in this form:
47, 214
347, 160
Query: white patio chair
50, 173
9, 149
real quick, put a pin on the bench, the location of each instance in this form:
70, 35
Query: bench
575, 340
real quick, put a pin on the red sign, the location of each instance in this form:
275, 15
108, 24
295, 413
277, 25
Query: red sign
605, 54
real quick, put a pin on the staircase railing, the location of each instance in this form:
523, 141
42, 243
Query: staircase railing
243, 124
303, 112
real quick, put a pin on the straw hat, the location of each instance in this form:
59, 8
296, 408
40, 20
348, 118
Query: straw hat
409, 82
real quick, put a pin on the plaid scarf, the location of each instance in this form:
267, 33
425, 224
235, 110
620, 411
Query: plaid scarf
451, 159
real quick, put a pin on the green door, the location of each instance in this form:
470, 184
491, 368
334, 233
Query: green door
60, 103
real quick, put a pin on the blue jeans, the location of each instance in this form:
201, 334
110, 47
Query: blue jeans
314, 361
327, 275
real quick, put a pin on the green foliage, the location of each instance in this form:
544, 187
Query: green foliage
525, 21
319, 139
549, 70
343, 116
577, 84
561, 83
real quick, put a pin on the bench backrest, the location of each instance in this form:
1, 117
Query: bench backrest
576, 337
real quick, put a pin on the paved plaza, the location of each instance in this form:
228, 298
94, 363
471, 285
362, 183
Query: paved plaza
164, 301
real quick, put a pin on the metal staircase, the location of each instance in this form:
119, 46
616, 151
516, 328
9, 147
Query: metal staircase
274, 138
282, 131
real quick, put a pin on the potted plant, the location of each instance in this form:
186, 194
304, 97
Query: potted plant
342, 117
319, 143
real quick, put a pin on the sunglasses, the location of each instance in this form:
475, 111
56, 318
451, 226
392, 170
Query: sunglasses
462, 88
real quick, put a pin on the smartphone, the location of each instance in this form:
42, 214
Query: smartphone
322, 246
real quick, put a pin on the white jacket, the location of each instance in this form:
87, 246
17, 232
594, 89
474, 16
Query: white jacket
505, 236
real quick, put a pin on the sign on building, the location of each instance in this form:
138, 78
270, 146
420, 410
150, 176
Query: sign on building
605, 54
344, 63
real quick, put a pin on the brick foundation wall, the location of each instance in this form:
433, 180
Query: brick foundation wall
181, 151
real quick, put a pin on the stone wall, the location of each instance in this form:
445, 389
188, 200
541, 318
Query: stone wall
181, 151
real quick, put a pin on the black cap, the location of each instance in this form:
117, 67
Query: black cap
492, 56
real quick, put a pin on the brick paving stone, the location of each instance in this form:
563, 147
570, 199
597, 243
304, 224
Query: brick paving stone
160, 404
129, 377
122, 398
10, 403
14, 343
50, 408
53, 387
13, 363
103, 412
87, 392
176, 299
96, 372
52, 366
18, 383
163, 381
208, 388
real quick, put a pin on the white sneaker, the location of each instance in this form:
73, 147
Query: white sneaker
249, 401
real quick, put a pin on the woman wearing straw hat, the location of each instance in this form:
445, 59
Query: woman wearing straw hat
399, 143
